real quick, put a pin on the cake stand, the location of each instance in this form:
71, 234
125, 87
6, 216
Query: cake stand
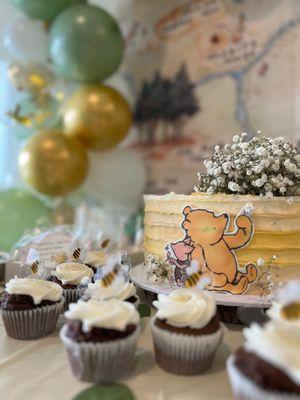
233, 308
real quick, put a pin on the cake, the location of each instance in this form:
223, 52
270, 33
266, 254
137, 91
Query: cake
186, 331
100, 338
30, 307
244, 233
267, 366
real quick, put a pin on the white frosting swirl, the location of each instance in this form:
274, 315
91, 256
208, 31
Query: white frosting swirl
119, 289
72, 273
277, 345
96, 258
186, 308
276, 314
39, 290
111, 314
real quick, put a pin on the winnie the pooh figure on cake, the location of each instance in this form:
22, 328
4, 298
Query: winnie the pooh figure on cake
209, 242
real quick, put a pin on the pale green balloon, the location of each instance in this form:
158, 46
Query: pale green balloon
86, 43
19, 211
45, 10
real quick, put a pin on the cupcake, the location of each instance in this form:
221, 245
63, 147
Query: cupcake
30, 307
268, 364
119, 289
95, 259
100, 338
186, 331
70, 276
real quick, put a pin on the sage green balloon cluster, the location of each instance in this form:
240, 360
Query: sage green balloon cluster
45, 10
86, 43
19, 211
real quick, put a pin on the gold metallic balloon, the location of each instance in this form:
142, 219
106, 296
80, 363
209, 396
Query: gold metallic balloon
98, 116
53, 164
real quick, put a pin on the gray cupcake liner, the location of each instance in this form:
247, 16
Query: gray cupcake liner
100, 362
183, 354
244, 389
72, 296
32, 324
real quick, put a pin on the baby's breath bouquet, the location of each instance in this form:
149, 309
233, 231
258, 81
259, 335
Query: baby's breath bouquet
262, 166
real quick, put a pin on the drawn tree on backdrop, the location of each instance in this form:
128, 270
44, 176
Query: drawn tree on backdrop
166, 102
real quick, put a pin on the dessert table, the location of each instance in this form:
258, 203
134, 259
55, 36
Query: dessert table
39, 369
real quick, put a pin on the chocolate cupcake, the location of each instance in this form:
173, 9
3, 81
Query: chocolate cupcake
119, 289
100, 338
268, 364
186, 331
30, 307
70, 276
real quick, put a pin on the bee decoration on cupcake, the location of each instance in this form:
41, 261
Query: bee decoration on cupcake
117, 265
108, 279
195, 277
76, 253
35, 267
105, 243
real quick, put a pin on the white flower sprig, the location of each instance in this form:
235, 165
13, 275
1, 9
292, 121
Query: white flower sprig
157, 271
262, 166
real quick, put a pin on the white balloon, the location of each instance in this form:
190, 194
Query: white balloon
7, 13
119, 82
117, 178
26, 40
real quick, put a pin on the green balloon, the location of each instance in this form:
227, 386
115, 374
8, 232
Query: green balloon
19, 210
86, 44
45, 10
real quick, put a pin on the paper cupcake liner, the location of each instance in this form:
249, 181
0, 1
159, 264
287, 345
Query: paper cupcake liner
32, 324
72, 296
244, 389
184, 354
100, 362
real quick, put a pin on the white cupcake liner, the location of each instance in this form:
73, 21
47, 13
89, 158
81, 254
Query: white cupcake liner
72, 296
244, 389
184, 354
32, 324
100, 362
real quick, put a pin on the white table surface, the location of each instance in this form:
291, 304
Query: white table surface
39, 370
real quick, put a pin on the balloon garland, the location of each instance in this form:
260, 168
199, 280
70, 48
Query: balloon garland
85, 45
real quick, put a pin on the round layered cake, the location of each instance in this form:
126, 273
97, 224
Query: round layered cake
241, 226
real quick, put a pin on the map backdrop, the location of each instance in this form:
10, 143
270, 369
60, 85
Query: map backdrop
201, 71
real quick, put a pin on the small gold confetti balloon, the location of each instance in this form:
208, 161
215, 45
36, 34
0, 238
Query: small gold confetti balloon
30, 77
291, 311
53, 164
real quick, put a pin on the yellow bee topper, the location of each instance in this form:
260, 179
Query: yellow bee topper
76, 253
108, 279
35, 267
